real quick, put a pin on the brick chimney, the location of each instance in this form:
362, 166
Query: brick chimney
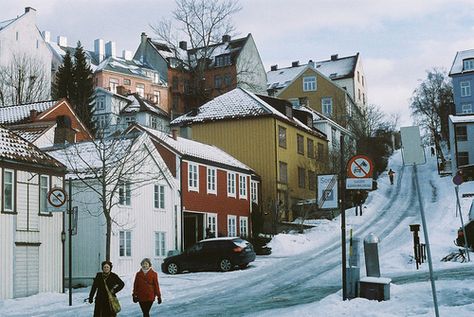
99, 49
334, 57
274, 67
62, 40
110, 49
183, 45
33, 115
311, 63
174, 134
226, 38
295, 64
28, 9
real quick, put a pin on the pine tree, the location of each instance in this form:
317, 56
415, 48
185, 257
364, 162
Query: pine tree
83, 97
63, 86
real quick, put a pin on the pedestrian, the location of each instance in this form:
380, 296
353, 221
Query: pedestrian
432, 151
146, 287
105, 282
390, 176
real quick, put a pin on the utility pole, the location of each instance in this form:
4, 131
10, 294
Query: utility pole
69, 211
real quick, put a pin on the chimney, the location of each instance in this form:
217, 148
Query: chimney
311, 63
99, 49
334, 57
174, 133
144, 37
127, 55
183, 45
33, 114
62, 41
46, 36
110, 49
225, 38
274, 67
28, 9
295, 64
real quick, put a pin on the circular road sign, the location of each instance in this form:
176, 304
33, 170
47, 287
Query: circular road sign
57, 197
360, 166
457, 179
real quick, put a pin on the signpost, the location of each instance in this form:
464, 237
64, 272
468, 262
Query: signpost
359, 172
327, 192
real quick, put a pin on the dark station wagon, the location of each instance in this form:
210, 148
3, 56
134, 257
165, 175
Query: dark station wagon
223, 254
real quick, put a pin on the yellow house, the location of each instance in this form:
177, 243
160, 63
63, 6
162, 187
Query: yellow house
267, 134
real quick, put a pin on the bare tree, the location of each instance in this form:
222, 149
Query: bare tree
24, 80
431, 102
109, 168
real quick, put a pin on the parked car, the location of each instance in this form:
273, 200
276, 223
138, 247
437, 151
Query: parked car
222, 254
469, 228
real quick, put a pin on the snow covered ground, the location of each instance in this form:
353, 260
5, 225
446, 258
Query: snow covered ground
410, 290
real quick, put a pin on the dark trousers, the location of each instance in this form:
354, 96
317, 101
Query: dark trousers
146, 306
358, 207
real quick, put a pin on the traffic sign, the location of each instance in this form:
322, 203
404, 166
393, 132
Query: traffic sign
57, 197
327, 192
457, 179
360, 166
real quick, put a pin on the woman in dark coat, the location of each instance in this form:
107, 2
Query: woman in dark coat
146, 287
114, 283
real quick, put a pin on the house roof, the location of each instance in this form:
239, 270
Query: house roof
13, 147
462, 119
33, 130
4, 24
194, 149
457, 67
240, 103
127, 67
138, 104
19, 113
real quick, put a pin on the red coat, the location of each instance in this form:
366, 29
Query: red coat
146, 286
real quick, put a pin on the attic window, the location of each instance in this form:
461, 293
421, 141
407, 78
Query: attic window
468, 64
332, 75
223, 60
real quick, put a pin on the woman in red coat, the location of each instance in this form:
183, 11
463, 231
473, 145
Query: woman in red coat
146, 287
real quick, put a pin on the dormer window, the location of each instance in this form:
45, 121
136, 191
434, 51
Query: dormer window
289, 111
468, 64
222, 60
309, 83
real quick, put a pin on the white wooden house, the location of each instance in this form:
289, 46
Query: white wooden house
31, 250
145, 206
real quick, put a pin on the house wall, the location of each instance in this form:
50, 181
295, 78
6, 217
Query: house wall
251, 74
461, 146
458, 100
25, 228
147, 54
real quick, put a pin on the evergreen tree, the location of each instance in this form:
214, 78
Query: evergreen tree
63, 85
83, 97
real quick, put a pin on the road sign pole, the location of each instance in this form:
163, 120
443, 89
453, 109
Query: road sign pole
69, 211
343, 220
458, 207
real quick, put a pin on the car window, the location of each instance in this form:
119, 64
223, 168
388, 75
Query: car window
195, 248
240, 242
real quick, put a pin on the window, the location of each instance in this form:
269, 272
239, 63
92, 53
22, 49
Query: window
295, 102
113, 84
127, 82
231, 184
466, 108
156, 97
159, 196
282, 137
333, 136
100, 103
100, 122
303, 101
217, 81
320, 151
227, 80
300, 144
175, 83
160, 243
223, 60
193, 177
175, 104
309, 83
363, 98
283, 172
156, 78
211, 181
358, 76
254, 191
124, 193
17, 36
465, 88
301, 177
43, 194
461, 133
231, 226
244, 226
129, 120
326, 105
358, 94
312, 180
363, 82
140, 90
8, 190
212, 223
125, 242
154, 122
310, 146
463, 158
243, 186
468, 64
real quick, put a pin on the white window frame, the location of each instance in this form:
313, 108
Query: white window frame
231, 226
244, 226
468, 64
140, 89
326, 105
43, 193
211, 180
154, 122
125, 243
254, 191
125, 193
100, 103
243, 186
465, 88
113, 84
231, 179
12, 184
212, 223
160, 244
309, 83
193, 177
159, 196
156, 96
466, 108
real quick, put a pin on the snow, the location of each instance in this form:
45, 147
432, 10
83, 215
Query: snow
302, 266
461, 119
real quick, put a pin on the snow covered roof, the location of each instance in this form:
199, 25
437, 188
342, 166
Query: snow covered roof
18, 113
239, 103
233, 47
196, 149
33, 130
281, 78
128, 67
462, 119
318, 117
138, 104
13, 147
457, 67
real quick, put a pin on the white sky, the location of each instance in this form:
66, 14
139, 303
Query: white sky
398, 40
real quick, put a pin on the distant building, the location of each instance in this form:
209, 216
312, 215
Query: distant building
461, 124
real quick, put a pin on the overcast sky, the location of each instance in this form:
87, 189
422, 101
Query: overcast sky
397, 40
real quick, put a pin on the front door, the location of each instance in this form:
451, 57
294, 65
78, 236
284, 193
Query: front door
193, 228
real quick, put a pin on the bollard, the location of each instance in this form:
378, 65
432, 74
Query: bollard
371, 255
416, 244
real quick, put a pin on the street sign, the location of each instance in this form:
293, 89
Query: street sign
457, 179
327, 192
57, 197
359, 172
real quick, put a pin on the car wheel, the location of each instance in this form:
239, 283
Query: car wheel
225, 265
243, 266
172, 268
